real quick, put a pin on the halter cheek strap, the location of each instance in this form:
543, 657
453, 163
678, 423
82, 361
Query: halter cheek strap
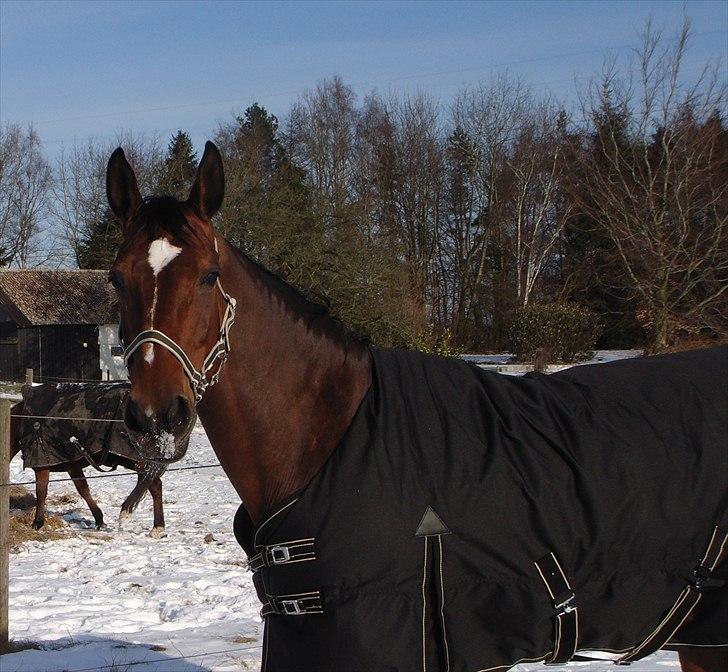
198, 378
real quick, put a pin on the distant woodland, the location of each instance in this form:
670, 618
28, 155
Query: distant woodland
480, 223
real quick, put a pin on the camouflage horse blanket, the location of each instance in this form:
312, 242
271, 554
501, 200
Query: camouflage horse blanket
47, 438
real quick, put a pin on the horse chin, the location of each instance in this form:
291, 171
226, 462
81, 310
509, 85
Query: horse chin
163, 447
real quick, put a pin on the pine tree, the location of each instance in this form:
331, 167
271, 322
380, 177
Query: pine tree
266, 204
98, 248
180, 164
590, 268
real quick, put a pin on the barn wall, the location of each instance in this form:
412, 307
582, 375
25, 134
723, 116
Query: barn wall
111, 353
60, 352
70, 352
9, 362
28, 353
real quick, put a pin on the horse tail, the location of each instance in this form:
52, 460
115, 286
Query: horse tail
147, 471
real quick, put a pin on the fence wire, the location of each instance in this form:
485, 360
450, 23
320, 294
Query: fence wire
81, 478
154, 661
115, 666
123, 473
63, 417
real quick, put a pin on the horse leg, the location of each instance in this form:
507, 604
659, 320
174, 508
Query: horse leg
155, 489
42, 476
79, 480
131, 502
694, 659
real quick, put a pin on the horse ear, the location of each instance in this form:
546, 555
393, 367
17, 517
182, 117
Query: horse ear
122, 190
209, 188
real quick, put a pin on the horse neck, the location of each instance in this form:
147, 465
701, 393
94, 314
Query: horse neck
288, 391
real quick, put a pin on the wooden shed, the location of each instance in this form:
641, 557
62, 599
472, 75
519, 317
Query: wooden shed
51, 321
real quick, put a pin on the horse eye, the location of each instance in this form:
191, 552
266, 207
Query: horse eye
116, 281
210, 278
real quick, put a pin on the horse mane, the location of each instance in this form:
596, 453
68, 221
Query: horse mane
317, 314
165, 213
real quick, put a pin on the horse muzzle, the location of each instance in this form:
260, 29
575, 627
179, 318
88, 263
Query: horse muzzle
160, 435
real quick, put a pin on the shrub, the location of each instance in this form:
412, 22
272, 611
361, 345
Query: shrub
441, 344
557, 332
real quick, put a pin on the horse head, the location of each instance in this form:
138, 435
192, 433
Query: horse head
175, 315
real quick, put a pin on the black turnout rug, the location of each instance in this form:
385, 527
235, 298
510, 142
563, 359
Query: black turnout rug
470, 520
49, 439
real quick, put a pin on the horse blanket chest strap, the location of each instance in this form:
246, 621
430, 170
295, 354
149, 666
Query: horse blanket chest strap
294, 604
300, 550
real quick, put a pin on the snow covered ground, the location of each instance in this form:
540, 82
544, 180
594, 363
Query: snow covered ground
111, 600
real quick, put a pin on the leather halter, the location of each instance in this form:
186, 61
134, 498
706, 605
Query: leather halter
198, 378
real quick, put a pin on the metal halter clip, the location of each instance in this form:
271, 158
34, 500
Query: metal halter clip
279, 554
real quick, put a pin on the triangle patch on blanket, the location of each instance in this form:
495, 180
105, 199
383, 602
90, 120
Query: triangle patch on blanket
431, 524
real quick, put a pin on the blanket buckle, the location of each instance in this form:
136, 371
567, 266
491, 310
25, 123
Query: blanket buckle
565, 606
279, 555
291, 607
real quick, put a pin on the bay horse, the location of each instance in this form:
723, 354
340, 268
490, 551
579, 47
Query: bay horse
148, 480
290, 402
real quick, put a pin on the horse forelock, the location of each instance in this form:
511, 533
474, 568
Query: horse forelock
165, 217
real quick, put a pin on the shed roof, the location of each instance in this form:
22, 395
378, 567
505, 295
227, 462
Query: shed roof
44, 297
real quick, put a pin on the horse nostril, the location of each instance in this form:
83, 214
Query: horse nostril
179, 413
134, 417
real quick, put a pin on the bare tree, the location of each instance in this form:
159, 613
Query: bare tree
488, 119
320, 135
25, 179
537, 203
654, 177
79, 192
79, 187
399, 159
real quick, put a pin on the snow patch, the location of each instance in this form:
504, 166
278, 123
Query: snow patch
124, 598
165, 445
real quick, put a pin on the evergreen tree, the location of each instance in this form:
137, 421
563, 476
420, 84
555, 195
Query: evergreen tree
591, 271
98, 248
180, 165
266, 203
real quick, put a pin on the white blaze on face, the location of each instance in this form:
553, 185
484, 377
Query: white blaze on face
161, 252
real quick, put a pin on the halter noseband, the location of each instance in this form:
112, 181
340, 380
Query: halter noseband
198, 379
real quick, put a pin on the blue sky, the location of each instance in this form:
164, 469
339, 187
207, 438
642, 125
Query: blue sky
75, 69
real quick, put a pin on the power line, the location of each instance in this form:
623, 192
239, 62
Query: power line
191, 127
236, 101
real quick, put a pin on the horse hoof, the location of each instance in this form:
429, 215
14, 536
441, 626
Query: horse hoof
102, 526
124, 517
157, 533
37, 525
